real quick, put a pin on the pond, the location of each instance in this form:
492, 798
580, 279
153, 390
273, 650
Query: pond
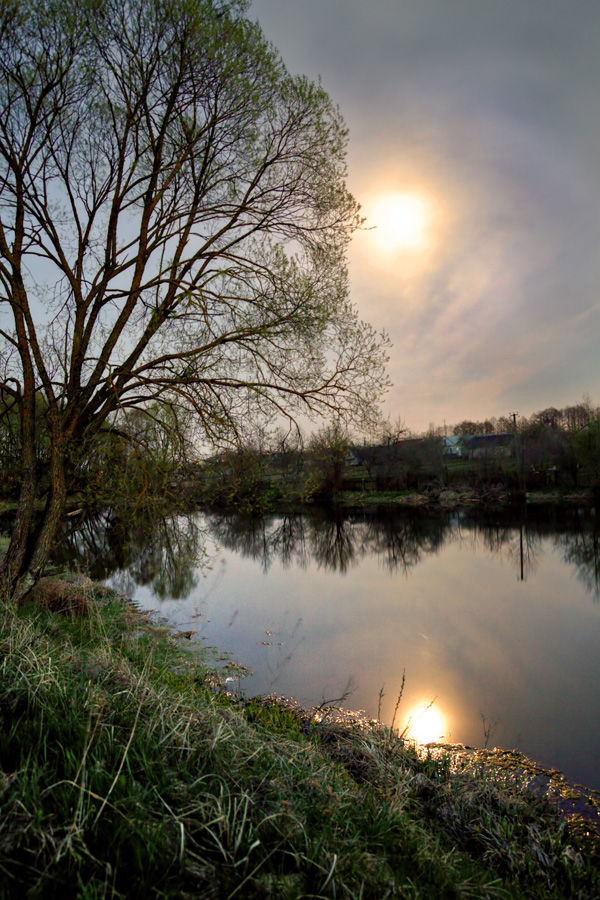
493, 616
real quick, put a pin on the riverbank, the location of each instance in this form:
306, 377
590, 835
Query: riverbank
490, 495
485, 495
125, 773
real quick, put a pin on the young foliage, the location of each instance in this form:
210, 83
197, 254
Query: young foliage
174, 218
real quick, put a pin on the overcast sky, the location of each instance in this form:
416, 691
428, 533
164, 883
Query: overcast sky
487, 114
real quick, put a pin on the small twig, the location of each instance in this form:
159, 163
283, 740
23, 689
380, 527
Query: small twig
398, 701
488, 727
381, 696
333, 703
408, 725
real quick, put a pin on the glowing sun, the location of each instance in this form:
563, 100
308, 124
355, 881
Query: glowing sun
401, 222
426, 725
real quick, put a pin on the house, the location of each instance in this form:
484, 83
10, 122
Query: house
453, 446
352, 457
490, 446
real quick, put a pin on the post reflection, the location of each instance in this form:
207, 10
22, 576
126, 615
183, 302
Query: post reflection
167, 552
314, 601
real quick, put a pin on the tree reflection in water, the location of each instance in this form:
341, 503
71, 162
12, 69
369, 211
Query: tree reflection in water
581, 549
167, 553
262, 538
519, 535
163, 552
401, 540
520, 545
333, 538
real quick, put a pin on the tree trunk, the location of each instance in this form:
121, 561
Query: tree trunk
12, 564
53, 513
15, 558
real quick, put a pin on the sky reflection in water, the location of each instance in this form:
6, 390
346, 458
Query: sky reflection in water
321, 605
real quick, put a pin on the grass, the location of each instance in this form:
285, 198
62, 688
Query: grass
124, 773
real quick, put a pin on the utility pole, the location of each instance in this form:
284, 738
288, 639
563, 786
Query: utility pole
513, 416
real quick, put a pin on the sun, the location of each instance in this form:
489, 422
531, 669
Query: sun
401, 222
426, 725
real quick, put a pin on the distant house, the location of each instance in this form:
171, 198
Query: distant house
453, 446
352, 457
489, 446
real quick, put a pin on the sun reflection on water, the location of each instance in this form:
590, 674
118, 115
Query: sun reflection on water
425, 724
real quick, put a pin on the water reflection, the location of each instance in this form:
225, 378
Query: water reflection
335, 542
582, 550
166, 552
333, 538
425, 724
400, 538
162, 552
519, 538
262, 539
489, 612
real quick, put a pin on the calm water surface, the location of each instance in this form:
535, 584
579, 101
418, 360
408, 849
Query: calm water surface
495, 617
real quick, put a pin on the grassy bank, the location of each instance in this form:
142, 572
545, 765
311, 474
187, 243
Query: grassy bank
490, 495
125, 774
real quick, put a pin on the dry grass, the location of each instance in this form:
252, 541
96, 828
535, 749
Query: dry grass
124, 773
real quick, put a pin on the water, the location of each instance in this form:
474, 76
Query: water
495, 617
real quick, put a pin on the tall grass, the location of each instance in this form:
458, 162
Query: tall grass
124, 774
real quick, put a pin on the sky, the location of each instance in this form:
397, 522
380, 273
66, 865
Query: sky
474, 152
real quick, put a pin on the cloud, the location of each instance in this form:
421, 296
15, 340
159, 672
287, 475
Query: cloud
494, 110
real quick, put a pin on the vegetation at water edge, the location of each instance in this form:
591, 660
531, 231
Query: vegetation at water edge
125, 772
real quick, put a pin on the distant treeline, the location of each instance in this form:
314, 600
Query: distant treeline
570, 419
552, 448
136, 462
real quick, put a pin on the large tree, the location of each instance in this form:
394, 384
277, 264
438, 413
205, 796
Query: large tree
174, 219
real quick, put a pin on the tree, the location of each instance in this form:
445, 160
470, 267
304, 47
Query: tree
390, 432
550, 418
327, 451
383, 460
504, 425
586, 446
174, 219
468, 427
